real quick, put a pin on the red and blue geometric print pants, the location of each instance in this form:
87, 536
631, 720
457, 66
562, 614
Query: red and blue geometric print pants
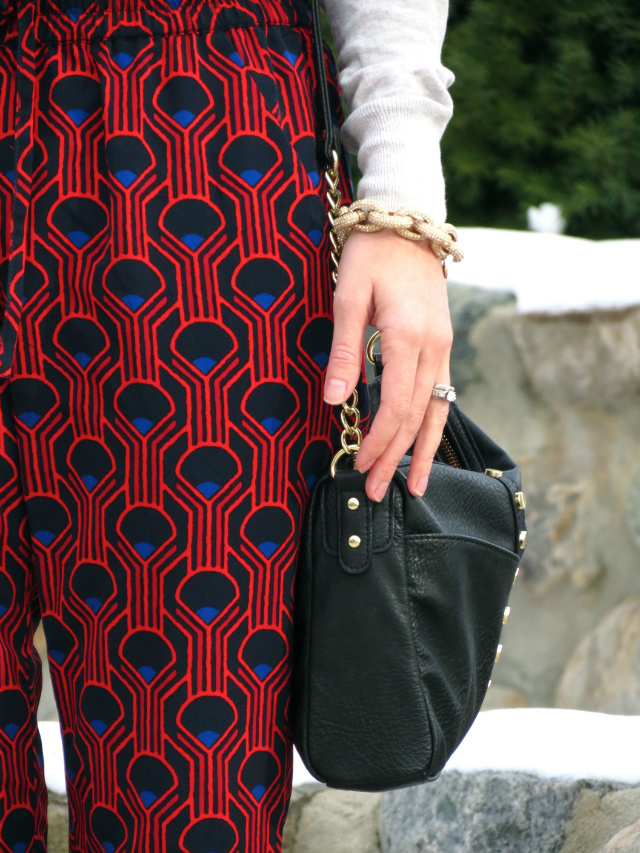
166, 308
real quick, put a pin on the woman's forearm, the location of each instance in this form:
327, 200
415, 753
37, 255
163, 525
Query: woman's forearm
396, 91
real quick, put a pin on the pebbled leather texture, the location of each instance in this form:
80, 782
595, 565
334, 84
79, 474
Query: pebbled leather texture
395, 639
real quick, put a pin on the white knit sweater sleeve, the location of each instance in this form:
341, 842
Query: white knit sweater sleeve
395, 89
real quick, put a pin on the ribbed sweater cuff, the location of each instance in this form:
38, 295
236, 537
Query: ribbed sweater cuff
398, 151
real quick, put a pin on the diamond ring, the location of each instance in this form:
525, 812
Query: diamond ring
447, 392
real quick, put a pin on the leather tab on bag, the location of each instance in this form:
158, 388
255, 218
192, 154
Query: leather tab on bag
382, 517
354, 553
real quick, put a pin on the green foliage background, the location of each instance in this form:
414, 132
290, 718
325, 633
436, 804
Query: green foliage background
546, 109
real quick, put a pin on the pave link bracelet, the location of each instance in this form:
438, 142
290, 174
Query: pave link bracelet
369, 215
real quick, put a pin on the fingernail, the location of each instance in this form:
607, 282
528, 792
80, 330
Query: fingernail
421, 487
380, 491
335, 391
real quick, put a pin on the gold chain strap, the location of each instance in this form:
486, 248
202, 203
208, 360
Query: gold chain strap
348, 409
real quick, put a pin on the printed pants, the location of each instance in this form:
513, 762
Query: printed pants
166, 307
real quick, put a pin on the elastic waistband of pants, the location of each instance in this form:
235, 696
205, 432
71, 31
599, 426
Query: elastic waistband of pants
89, 20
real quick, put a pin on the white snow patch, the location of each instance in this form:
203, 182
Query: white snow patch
300, 772
548, 742
53, 755
553, 273
552, 742
548, 218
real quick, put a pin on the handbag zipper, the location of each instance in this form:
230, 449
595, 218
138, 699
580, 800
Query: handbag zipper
450, 453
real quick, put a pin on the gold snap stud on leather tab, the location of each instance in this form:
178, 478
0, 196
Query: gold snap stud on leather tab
521, 501
498, 652
505, 618
493, 472
516, 574
523, 538
353, 503
354, 541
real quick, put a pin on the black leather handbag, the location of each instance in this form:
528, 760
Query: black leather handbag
399, 605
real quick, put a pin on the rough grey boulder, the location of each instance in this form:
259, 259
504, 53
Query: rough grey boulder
503, 697
467, 304
340, 822
483, 812
58, 823
596, 819
625, 841
603, 673
301, 795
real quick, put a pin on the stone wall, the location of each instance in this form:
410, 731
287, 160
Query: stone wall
561, 393
501, 812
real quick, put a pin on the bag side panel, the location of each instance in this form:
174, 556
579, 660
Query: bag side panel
367, 725
458, 590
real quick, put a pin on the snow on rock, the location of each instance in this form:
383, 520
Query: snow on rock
544, 741
51, 737
548, 217
300, 773
552, 742
553, 273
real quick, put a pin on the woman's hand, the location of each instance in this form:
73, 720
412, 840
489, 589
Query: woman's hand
398, 286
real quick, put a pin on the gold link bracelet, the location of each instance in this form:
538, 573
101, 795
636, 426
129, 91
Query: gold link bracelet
369, 215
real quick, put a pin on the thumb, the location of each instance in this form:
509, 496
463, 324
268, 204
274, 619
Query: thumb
345, 359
